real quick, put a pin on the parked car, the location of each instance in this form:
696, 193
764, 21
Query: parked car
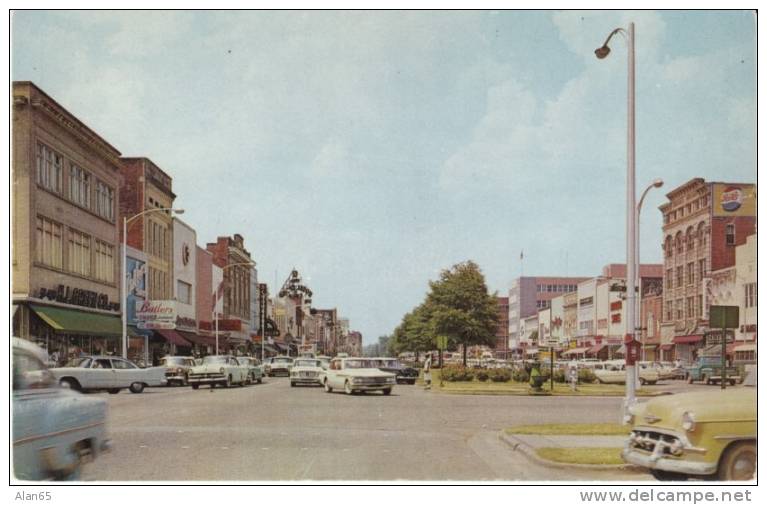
223, 370
357, 374
672, 370
177, 369
306, 371
255, 371
266, 365
280, 365
55, 430
404, 374
709, 370
614, 372
705, 433
107, 373
324, 361
664, 372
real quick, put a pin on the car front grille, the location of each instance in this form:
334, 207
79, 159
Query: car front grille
658, 444
372, 380
309, 375
206, 376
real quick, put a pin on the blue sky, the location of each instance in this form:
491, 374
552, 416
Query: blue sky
372, 149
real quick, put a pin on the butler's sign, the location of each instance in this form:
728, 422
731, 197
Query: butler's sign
156, 314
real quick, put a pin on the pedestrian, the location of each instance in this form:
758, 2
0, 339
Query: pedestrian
427, 372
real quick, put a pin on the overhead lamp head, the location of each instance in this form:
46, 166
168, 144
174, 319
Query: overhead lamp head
602, 52
657, 183
178, 211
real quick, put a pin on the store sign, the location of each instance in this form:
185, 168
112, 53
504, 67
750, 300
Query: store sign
186, 324
156, 315
77, 296
732, 200
616, 305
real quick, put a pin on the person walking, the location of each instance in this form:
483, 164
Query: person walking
427, 372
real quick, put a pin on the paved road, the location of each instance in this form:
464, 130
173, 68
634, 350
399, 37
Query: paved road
274, 432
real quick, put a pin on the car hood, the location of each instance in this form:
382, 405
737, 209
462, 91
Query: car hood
367, 372
211, 368
307, 369
706, 406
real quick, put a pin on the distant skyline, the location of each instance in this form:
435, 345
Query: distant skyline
370, 150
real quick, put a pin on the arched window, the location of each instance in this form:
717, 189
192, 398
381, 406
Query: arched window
702, 234
679, 242
690, 238
668, 246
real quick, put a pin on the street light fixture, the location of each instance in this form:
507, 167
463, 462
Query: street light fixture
215, 299
629, 339
657, 183
124, 282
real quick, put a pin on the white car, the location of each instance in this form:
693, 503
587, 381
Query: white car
223, 370
107, 373
280, 365
614, 372
357, 374
306, 371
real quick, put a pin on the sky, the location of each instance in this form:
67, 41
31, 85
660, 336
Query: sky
371, 150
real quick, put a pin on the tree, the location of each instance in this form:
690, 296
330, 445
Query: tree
415, 333
460, 307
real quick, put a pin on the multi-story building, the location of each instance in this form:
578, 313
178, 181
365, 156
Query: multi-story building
703, 223
230, 255
326, 326
651, 317
65, 252
530, 294
208, 276
501, 350
184, 288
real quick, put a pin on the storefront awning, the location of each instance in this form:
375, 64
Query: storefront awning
595, 350
200, 339
138, 332
688, 339
79, 322
666, 347
576, 351
173, 337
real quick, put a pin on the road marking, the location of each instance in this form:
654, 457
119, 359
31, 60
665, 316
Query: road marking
185, 447
264, 448
143, 446
224, 448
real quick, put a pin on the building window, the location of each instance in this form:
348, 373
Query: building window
49, 247
679, 242
729, 232
79, 254
105, 266
539, 287
105, 201
702, 235
80, 186
690, 273
669, 310
670, 278
690, 308
680, 309
668, 247
701, 268
699, 310
50, 166
750, 294
690, 239
184, 292
679, 276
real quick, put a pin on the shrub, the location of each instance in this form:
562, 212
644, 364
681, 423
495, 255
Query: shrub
453, 373
500, 375
586, 376
521, 376
482, 375
559, 376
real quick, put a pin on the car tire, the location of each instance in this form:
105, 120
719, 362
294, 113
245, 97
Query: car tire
642, 382
689, 379
386, 391
228, 382
259, 380
292, 384
327, 387
70, 383
665, 476
733, 382
706, 380
412, 382
185, 380
114, 391
195, 386
738, 462
136, 387
348, 388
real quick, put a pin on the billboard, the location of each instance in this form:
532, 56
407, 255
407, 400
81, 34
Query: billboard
156, 315
734, 200
135, 273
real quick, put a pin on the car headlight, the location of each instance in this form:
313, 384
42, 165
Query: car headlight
688, 421
391, 380
221, 369
357, 380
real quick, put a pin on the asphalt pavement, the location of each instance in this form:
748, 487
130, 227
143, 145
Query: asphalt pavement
272, 432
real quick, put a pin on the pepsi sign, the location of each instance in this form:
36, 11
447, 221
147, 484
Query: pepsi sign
732, 198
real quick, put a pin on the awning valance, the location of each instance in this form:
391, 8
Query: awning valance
595, 349
576, 351
200, 339
688, 339
666, 347
173, 337
79, 322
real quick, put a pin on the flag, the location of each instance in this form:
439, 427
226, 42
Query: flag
217, 295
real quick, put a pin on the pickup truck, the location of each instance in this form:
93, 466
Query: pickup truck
709, 370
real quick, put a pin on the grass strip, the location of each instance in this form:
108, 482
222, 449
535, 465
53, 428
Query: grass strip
582, 455
569, 429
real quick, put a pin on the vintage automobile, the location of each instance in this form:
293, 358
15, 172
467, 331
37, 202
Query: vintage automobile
255, 371
324, 361
177, 369
306, 371
223, 370
709, 434
614, 372
708, 369
280, 365
404, 374
55, 430
357, 374
664, 372
107, 373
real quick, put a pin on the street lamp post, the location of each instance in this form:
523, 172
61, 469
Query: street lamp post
215, 298
657, 183
124, 282
601, 53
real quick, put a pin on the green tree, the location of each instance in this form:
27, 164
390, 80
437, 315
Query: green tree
460, 307
415, 333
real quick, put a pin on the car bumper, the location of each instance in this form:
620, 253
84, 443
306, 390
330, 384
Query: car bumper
667, 464
306, 380
175, 377
371, 387
206, 380
279, 371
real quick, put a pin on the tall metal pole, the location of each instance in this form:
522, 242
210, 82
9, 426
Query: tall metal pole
124, 290
630, 224
215, 315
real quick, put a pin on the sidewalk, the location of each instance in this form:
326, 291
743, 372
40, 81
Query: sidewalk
528, 444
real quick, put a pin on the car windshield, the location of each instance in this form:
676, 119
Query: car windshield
30, 373
307, 362
78, 363
360, 363
282, 360
211, 360
172, 361
389, 363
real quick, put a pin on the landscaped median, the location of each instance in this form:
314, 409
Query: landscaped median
581, 445
489, 386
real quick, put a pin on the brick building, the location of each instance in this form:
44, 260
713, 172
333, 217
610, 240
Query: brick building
501, 350
703, 223
65, 252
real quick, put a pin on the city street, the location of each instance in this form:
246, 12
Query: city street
275, 432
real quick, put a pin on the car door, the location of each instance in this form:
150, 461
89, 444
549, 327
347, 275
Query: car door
332, 373
102, 374
126, 373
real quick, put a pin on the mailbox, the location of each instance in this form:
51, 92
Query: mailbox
632, 351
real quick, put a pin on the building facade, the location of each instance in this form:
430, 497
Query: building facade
501, 350
65, 253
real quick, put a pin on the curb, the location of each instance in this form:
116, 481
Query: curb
518, 445
510, 393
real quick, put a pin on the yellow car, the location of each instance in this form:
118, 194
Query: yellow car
708, 434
